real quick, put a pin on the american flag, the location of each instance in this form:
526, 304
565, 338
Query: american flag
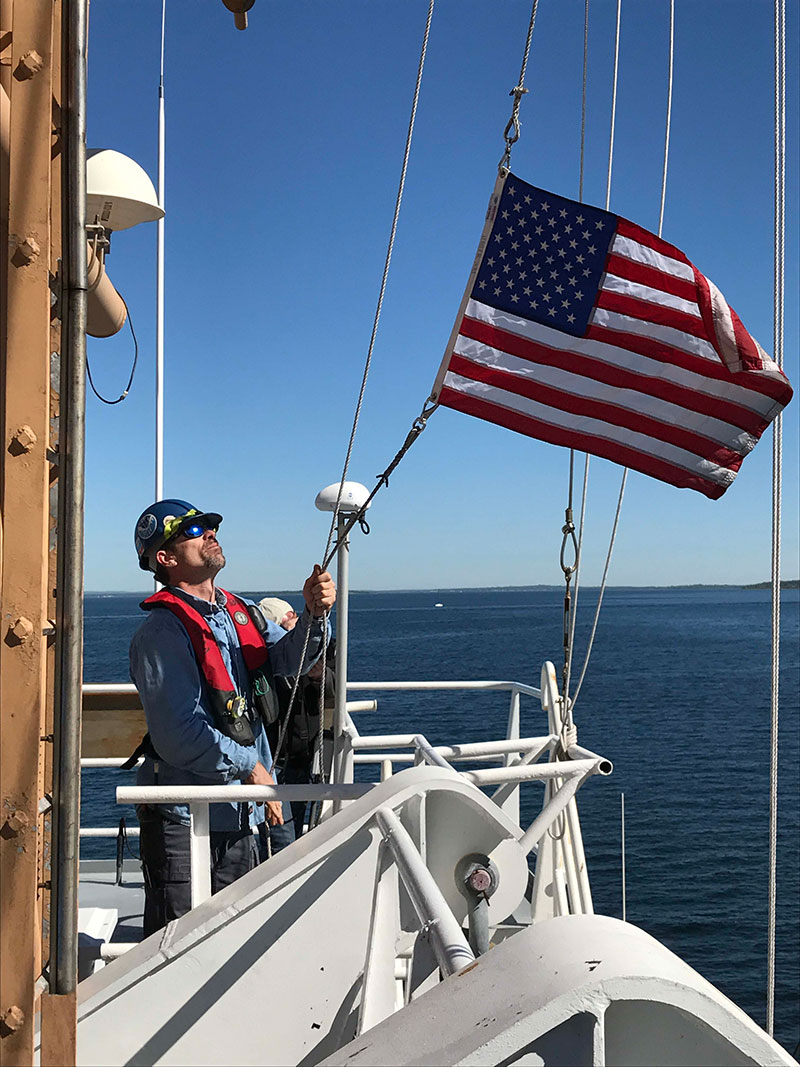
581, 328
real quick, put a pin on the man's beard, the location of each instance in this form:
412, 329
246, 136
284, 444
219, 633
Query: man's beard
213, 558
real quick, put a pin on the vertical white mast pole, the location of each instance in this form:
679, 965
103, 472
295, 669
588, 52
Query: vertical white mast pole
160, 279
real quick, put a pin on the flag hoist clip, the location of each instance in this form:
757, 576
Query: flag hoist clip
511, 132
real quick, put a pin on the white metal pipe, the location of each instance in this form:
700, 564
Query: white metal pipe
447, 939
112, 950
106, 761
107, 689
570, 869
622, 852
574, 824
385, 741
386, 769
381, 757
360, 705
200, 853
429, 754
342, 627
541, 771
107, 831
560, 891
577, 752
549, 812
507, 789
159, 457
217, 794
511, 746
528, 690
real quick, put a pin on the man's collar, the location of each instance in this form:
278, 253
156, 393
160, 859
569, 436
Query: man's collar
198, 603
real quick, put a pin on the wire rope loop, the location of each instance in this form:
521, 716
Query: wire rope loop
568, 530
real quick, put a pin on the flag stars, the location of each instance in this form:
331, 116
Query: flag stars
526, 237
495, 277
506, 268
579, 219
586, 272
570, 319
534, 214
534, 304
502, 253
565, 303
527, 290
544, 246
551, 311
539, 231
586, 235
579, 295
505, 215
518, 206
519, 261
573, 243
592, 249
512, 191
510, 231
490, 261
550, 260
523, 274
563, 213
568, 228
559, 289
551, 221
497, 292
515, 246
510, 283
515, 298
527, 199
599, 224
553, 274
562, 252
546, 297
545, 206
481, 285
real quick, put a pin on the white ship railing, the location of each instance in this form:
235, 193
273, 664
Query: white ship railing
562, 777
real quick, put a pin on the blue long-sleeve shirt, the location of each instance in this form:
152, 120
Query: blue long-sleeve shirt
179, 718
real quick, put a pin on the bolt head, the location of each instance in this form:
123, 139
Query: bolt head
13, 1018
22, 629
31, 63
17, 821
27, 250
480, 880
25, 438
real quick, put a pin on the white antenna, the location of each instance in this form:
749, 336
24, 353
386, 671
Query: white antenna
160, 279
622, 849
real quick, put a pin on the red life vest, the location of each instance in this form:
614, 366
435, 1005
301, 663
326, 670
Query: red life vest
230, 708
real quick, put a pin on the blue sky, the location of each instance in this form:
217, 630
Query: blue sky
284, 146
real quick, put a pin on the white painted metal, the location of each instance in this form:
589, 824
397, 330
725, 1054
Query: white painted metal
107, 831
622, 855
527, 690
159, 441
211, 794
447, 939
379, 993
582, 989
200, 851
296, 931
342, 749
549, 813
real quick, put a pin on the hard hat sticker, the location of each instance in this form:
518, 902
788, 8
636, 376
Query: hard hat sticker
147, 526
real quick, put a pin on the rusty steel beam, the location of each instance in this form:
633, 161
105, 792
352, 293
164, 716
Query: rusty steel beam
25, 352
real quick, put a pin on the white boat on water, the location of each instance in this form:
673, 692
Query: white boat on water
420, 921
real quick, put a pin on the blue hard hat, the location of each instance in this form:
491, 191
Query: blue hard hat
164, 520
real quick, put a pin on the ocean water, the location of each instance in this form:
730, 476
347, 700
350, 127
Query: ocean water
676, 695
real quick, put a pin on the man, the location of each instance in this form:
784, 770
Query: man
199, 661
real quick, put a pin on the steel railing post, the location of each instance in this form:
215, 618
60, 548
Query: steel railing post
200, 852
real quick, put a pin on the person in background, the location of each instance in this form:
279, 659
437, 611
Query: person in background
199, 661
297, 756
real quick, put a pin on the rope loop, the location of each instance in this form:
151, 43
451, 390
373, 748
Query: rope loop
568, 530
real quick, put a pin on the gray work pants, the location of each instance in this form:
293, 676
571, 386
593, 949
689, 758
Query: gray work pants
166, 864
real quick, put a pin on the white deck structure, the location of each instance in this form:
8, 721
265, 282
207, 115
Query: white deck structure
363, 943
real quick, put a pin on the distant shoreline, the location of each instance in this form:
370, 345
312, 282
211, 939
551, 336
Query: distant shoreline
789, 583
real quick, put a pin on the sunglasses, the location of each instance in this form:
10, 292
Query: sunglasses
195, 530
